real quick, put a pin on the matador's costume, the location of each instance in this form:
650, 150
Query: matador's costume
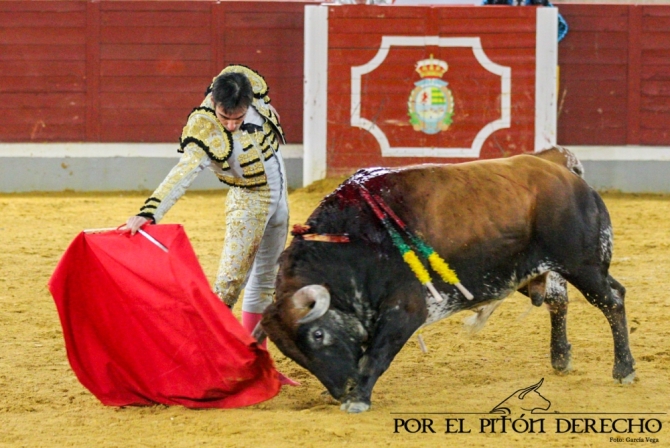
247, 160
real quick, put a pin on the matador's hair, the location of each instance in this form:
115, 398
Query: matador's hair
232, 91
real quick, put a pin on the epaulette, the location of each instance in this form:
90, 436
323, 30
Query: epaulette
201, 128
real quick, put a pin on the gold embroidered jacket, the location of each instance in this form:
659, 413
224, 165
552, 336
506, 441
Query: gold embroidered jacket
236, 158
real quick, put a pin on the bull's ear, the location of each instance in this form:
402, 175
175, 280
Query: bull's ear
312, 299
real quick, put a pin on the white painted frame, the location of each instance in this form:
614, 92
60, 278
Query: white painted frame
315, 94
387, 150
546, 77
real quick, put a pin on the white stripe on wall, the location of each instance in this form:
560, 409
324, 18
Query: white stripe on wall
622, 153
546, 62
315, 93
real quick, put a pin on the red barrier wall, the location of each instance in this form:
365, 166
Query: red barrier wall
615, 75
129, 71
145, 64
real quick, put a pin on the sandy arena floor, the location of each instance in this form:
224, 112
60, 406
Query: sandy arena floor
43, 405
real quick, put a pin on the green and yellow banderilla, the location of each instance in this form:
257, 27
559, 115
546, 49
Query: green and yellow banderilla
439, 265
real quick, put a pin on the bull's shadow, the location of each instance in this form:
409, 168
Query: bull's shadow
523, 400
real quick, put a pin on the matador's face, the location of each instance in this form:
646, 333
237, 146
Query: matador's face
231, 119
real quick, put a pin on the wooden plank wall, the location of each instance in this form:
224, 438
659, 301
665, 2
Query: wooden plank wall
131, 71
270, 38
654, 114
615, 75
154, 61
43, 71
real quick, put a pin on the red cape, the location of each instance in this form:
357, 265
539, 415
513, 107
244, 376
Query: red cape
142, 326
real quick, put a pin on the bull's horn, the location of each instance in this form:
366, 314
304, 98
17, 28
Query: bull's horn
315, 297
259, 333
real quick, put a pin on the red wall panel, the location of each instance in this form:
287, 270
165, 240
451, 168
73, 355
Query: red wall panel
507, 37
90, 71
132, 86
654, 74
137, 68
269, 38
615, 69
42, 71
593, 60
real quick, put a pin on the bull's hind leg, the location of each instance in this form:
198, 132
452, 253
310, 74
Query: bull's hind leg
608, 296
556, 299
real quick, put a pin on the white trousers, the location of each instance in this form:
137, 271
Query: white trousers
256, 232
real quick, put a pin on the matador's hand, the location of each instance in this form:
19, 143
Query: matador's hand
134, 223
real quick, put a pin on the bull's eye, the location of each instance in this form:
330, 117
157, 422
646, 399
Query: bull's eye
318, 335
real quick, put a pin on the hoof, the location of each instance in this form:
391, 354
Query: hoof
562, 364
624, 372
563, 369
628, 379
354, 407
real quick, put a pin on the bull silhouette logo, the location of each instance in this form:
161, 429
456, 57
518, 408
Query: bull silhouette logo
523, 400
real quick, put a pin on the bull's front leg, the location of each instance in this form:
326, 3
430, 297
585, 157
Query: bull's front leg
395, 325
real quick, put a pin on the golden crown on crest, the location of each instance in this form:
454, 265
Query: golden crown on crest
431, 68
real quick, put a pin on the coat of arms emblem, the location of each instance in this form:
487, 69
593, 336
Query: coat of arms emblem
431, 104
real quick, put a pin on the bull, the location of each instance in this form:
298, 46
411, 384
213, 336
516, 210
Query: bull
346, 301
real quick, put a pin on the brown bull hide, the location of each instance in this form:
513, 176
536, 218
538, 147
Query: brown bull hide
501, 225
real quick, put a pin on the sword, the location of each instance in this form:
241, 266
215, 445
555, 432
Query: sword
153, 240
142, 232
